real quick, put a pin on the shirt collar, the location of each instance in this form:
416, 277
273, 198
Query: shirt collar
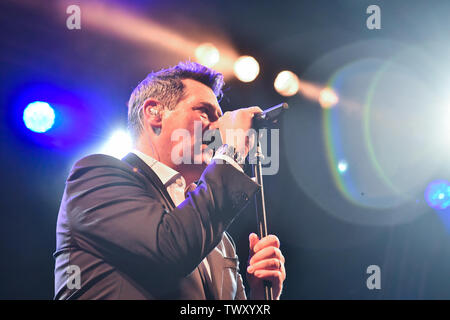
165, 173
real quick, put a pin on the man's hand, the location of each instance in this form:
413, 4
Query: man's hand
234, 127
266, 262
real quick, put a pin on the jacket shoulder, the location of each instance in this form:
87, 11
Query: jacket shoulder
94, 161
97, 159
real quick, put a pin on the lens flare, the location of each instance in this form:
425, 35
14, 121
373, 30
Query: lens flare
118, 145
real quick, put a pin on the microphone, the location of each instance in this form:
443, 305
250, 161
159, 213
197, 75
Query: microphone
269, 116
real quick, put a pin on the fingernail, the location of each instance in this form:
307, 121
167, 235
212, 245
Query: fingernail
249, 269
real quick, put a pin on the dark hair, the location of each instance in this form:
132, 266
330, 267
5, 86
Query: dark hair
166, 86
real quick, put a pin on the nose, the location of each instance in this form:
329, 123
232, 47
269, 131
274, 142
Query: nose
213, 125
211, 133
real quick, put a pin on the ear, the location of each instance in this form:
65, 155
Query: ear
151, 112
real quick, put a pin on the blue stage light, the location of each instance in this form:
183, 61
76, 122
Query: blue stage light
437, 195
39, 116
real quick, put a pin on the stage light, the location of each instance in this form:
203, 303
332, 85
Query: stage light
39, 116
118, 145
140, 29
342, 166
437, 194
287, 83
328, 98
207, 54
246, 68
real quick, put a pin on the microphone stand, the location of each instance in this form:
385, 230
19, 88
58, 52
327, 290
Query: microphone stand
261, 217
267, 118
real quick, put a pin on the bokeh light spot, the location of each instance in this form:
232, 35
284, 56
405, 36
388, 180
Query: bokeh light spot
342, 166
207, 54
287, 83
39, 116
246, 68
328, 98
437, 194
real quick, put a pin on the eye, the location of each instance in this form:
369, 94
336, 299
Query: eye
203, 110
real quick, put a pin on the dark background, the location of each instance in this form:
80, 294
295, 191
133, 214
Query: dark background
326, 257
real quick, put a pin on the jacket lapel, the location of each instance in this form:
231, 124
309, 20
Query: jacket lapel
215, 258
141, 167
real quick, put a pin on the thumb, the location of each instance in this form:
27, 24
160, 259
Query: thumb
253, 240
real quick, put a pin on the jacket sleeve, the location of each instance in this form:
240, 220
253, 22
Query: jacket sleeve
240, 291
111, 214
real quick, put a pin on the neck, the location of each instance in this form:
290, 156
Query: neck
147, 147
190, 172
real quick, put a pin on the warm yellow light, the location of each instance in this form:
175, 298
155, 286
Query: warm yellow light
287, 83
328, 98
141, 30
246, 68
207, 54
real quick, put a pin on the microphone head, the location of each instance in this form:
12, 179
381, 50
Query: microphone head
269, 116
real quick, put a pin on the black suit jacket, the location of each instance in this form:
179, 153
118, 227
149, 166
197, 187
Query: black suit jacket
120, 227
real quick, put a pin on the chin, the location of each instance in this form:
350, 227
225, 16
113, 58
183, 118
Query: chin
207, 156
201, 161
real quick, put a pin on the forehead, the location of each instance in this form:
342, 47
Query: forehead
197, 92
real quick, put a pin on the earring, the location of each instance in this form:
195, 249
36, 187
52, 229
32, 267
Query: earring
155, 113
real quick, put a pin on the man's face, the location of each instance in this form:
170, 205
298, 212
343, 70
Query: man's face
183, 127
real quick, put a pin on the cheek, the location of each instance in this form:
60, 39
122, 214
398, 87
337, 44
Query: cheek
184, 121
188, 123
173, 123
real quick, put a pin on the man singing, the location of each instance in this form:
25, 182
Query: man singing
152, 227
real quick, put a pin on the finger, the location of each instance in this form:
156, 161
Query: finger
268, 241
253, 240
267, 253
276, 279
254, 110
274, 276
268, 264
